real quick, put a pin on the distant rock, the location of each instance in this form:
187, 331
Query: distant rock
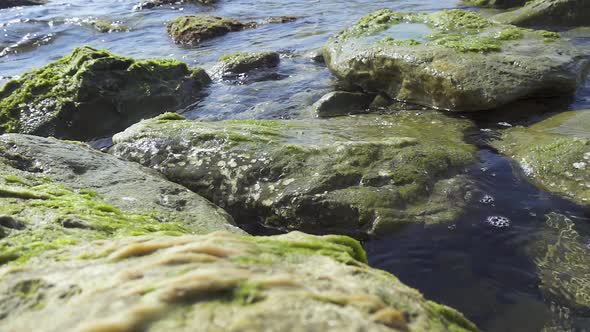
192, 30
17, 3
549, 13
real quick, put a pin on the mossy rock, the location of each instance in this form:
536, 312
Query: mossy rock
243, 62
453, 59
17, 3
54, 194
157, 3
549, 13
503, 4
192, 30
93, 93
220, 281
554, 153
346, 175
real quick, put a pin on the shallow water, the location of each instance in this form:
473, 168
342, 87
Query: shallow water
481, 264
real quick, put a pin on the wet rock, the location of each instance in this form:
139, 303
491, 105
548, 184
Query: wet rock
292, 282
17, 3
192, 30
554, 153
496, 3
339, 103
54, 194
157, 3
243, 62
453, 59
93, 93
281, 19
548, 13
347, 175
106, 26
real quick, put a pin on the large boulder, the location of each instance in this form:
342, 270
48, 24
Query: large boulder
215, 282
54, 194
192, 30
93, 93
16, 3
554, 153
347, 175
549, 13
453, 59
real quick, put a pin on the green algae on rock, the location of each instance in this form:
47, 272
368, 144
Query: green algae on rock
54, 194
220, 281
243, 62
549, 13
554, 153
106, 26
92, 93
561, 256
453, 59
192, 30
347, 175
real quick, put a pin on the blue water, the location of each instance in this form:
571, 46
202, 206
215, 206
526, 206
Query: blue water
483, 270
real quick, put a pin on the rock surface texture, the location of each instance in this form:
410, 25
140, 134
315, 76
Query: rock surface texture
192, 30
453, 59
549, 13
93, 93
215, 282
348, 175
554, 153
54, 194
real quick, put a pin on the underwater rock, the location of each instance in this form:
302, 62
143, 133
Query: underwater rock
347, 175
496, 3
192, 30
55, 193
157, 3
93, 93
17, 3
215, 282
453, 59
562, 257
106, 26
554, 153
548, 13
243, 62
338, 103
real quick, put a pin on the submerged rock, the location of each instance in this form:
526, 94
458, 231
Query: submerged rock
549, 13
563, 260
92, 93
192, 30
157, 3
339, 103
453, 59
554, 153
17, 3
496, 3
347, 175
216, 282
243, 62
106, 26
54, 194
